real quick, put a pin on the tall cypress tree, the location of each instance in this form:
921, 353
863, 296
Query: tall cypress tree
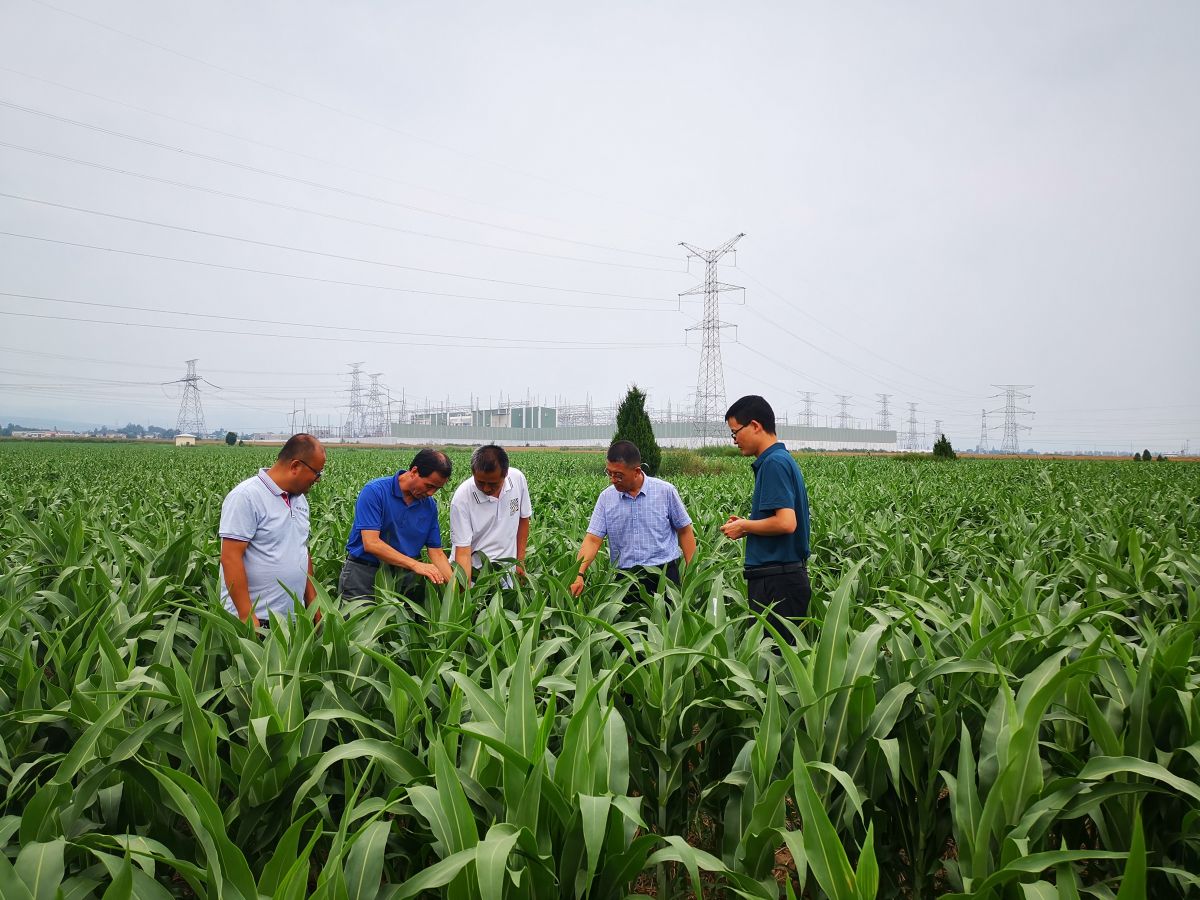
633, 424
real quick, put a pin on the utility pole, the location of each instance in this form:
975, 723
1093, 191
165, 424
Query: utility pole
191, 413
709, 424
885, 416
1012, 428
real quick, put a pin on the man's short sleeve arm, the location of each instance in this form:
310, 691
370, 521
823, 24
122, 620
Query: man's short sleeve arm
598, 524
677, 513
368, 509
526, 503
434, 536
775, 487
461, 533
239, 518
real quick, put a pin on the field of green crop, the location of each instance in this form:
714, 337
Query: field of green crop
998, 696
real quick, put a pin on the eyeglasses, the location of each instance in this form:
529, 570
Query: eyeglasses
734, 433
317, 472
614, 476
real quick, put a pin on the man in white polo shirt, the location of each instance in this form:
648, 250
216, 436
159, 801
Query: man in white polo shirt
264, 535
490, 512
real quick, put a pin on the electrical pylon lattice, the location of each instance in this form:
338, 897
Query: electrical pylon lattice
709, 416
885, 416
809, 419
984, 443
191, 413
911, 439
356, 415
377, 407
843, 414
1013, 428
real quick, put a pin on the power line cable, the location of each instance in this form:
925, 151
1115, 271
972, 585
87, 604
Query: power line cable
322, 338
325, 215
470, 298
322, 325
141, 365
952, 392
324, 161
207, 157
351, 115
325, 254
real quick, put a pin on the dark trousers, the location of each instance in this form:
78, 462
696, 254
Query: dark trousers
648, 576
358, 580
781, 592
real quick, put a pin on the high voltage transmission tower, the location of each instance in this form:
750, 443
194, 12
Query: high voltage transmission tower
937, 429
809, 417
911, 441
1013, 428
191, 413
843, 416
356, 414
983, 432
885, 416
710, 381
377, 408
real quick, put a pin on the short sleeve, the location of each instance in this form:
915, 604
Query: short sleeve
239, 518
461, 533
433, 537
368, 509
526, 504
677, 514
776, 491
598, 524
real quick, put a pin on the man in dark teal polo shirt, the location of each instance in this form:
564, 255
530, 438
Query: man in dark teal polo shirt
777, 531
395, 519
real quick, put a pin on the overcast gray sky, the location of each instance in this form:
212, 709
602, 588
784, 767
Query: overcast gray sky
937, 198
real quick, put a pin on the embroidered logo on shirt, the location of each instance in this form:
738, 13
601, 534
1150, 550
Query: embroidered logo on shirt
513, 506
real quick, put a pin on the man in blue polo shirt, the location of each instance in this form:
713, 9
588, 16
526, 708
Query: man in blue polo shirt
395, 518
777, 531
644, 520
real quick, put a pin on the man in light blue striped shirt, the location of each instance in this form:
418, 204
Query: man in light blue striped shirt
644, 520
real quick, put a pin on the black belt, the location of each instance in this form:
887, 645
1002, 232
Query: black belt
779, 569
364, 561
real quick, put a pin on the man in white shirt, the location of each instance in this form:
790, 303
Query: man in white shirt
490, 512
264, 535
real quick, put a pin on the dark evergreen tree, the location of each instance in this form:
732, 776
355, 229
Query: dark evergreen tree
943, 450
1146, 457
633, 424
230, 438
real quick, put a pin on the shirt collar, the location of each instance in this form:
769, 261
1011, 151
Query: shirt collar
758, 460
641, 490
274, 488
269, 484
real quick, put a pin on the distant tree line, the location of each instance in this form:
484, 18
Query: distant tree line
1145, 456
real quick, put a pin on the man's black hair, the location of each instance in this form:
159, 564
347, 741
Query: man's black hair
626, 453
298, 446
428, 461
753, 408
489, 458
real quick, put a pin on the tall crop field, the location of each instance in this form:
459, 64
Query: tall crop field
998, 696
